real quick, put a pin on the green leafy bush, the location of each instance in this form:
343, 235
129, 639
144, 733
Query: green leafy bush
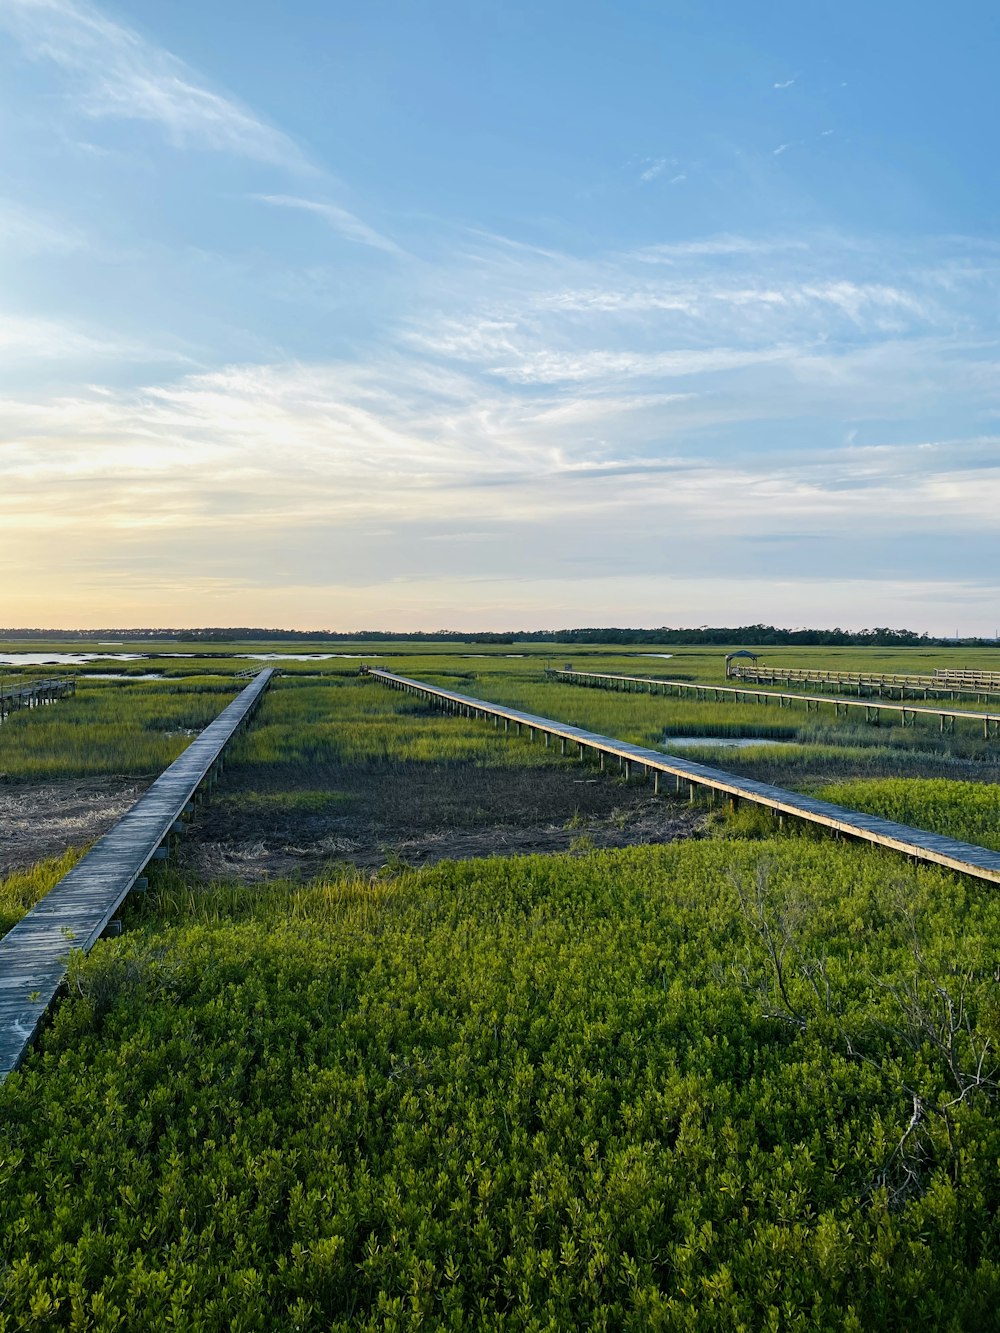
966, 810
540, 1093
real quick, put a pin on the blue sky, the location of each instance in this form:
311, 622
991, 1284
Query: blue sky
491, 315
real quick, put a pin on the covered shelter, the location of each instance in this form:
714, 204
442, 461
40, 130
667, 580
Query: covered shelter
740, 653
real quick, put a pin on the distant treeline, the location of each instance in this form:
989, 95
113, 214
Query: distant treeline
754, 635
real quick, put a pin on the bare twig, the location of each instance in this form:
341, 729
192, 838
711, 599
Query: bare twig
934, 1013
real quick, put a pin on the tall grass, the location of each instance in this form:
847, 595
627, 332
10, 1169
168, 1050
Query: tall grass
357, 721
539, 1093
24, 888
808, 767
646, 719
109, 728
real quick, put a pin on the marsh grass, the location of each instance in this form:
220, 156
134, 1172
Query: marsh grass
107, 728
822, 745
23, 888
544, 1092
352, 720
807, 768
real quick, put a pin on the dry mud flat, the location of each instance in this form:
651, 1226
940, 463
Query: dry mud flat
419, 814
43, 819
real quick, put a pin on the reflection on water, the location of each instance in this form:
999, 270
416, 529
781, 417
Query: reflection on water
66, 659
305, 657
121, 675
722, 742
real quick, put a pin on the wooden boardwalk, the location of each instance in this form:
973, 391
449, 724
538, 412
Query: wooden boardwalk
33, 693
862, 683
918, 844
978, 680
77, 911
990, 722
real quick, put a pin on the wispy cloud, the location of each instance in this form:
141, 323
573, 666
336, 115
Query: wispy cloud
784, 83
25, 232
760, 386
249, 450
26, 339
342, 221
699, 299
654, 169
118, 74
216, 468
712, 246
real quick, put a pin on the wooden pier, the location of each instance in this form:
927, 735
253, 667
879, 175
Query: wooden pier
949, 684
979, 680
917, 844
990, 722
33, 693
74, 915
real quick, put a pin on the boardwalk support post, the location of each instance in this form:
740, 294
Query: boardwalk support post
979, 862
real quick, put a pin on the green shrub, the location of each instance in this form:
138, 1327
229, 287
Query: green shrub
560, 1092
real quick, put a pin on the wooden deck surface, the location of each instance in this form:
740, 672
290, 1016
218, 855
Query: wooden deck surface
918, 844
77, 911
990, 721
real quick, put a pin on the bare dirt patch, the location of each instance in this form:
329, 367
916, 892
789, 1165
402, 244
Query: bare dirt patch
43, 819
418, 814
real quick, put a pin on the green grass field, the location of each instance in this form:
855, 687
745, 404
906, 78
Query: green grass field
747, 1081
109, 727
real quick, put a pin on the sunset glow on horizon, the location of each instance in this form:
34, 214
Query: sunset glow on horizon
497, 317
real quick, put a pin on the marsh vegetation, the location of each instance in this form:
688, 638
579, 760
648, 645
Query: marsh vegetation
344, 1071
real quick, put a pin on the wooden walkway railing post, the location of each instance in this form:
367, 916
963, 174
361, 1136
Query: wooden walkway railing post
908, 712
945, 683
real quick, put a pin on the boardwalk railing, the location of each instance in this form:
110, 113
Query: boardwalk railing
863, 683
988, 680
33, 693
74, 915
918, 844
250, 673
908, 713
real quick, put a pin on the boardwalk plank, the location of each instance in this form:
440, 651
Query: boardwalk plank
76, 912
919, 844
